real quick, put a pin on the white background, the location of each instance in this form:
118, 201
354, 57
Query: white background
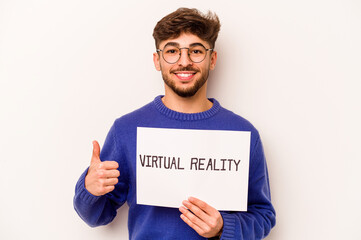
69, 68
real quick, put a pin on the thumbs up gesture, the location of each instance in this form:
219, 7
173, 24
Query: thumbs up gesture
101, 176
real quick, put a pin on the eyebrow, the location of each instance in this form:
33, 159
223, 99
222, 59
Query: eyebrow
175, 44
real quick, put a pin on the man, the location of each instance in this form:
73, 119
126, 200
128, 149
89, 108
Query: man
185, 41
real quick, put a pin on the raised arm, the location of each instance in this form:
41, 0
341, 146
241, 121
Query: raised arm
98, 192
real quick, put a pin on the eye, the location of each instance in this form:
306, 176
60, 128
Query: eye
196, 51
169, 50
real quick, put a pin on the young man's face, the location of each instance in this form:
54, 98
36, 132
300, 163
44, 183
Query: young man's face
185, 77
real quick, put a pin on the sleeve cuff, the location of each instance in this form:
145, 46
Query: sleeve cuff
229, 225
82, 193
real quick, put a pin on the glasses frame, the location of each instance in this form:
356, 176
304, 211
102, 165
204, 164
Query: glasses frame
180, 53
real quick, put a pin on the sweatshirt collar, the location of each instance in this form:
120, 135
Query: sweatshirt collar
186, 116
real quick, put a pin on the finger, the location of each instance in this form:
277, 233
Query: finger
108, 189
110, 174
96, 153
196, 211
203, 206
110, 181
214, 219
190, 223
109, 165
193, 219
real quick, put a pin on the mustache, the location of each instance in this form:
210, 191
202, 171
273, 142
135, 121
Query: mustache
188, 68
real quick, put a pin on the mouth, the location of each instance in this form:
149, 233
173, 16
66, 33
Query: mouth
184, 76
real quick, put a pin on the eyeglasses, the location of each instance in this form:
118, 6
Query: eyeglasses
171, 54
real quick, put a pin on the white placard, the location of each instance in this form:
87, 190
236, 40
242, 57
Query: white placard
174, 164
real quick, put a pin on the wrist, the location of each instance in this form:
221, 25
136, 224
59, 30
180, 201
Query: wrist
218, 236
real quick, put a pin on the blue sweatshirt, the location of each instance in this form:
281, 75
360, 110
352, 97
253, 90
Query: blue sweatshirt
151, 222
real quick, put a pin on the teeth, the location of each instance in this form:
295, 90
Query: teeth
184, 74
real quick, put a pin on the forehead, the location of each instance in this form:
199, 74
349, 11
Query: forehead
184, 40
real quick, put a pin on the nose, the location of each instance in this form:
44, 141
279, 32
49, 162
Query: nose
184, 59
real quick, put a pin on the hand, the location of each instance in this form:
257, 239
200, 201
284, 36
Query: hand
101, 176
204, 219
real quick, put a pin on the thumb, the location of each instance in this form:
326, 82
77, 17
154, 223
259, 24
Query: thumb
96, 153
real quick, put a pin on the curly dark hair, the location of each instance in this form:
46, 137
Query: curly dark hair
188, 20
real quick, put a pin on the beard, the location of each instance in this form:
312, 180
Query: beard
190, 91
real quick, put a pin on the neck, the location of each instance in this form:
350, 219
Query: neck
195, 104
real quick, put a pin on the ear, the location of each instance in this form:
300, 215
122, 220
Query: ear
213, 60
156, 61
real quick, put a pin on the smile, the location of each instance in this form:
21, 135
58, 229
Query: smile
185, 75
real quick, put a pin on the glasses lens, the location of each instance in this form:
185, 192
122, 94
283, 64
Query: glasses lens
197, 53
171, 54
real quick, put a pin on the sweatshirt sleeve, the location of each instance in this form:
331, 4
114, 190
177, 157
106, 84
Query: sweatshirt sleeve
101, 210
260, 217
